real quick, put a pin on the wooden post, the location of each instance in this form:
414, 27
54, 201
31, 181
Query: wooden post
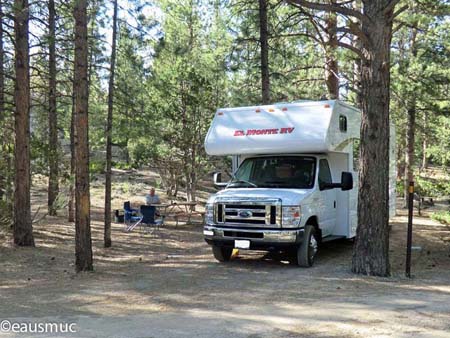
409, 233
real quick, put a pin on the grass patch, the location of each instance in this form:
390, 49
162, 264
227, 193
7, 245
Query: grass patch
441, 216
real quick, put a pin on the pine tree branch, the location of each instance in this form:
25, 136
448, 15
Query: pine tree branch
390, 7
353, 49
338, 8
400, 11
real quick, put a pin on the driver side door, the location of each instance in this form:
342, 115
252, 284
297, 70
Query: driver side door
327, 209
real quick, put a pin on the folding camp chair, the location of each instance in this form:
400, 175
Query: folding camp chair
130, 214
147, 220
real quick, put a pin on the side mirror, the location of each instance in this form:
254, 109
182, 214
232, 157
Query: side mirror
346, 181
218, 180
217, 177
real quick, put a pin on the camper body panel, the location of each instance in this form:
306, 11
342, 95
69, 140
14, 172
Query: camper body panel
311, 127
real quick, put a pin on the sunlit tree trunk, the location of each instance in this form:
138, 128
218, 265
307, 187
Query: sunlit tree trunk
107, 233
410, 126
53, 184
331, 62
371, 250
3, 151
23, 229
83, 244
71, 204
425, 141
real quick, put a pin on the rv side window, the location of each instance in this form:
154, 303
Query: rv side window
324, 173
343, 123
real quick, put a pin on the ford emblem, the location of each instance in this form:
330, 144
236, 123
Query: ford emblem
245, 214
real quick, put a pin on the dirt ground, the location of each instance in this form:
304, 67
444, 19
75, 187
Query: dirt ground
167, 284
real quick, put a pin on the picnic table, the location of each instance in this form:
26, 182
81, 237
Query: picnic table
177, 210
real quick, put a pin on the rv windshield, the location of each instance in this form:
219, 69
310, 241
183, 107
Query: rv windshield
275, 172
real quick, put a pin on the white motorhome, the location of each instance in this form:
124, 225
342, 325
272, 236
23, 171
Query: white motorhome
294, 181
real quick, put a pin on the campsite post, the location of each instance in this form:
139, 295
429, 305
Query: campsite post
409, 233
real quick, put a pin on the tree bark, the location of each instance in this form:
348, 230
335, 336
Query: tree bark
425, 141
331, 63
107, 233
264, 41
410, 140
371, 249
53, 184
83, 244
23, 229
71, 204
410, 127
3, 152
357, 68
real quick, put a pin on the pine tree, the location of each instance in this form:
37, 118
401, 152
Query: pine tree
83, 244
371, 250
23, 229
107, 234
53, 180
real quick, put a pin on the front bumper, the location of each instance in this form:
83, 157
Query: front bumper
260, 239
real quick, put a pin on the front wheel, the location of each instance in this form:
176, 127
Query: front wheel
221, 253
308, 248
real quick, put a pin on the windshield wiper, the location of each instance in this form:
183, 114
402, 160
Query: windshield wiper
284, 184
244, 181
277, 184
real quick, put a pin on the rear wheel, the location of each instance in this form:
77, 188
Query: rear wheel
221, 253
308, 248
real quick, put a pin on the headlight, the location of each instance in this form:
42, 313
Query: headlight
209, 214
291, 216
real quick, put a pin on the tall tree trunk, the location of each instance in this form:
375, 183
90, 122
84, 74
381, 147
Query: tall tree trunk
83, 244
410, 140
357, 66
3, 152
411, 126
53, 185
425, 141
7, 136
107, 234
23, 229
71, 204
400, 159
264, 41
371, 249
331, 63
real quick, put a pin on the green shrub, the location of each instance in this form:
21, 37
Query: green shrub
400, 187
96, 167
441, 216
5, 217
432, 187
122, 165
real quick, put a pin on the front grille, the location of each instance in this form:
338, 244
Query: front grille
240, 234
256, 213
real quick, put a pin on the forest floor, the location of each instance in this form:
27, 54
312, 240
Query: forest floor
167, 284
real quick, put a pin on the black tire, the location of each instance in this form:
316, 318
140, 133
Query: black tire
221, 253
308, 248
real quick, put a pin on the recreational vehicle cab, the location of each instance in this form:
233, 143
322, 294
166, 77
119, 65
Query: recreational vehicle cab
294, 181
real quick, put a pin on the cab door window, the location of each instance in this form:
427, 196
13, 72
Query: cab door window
324, 174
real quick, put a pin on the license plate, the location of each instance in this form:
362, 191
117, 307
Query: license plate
241, 244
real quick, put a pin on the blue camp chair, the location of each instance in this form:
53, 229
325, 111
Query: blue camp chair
147, 221
130, 215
